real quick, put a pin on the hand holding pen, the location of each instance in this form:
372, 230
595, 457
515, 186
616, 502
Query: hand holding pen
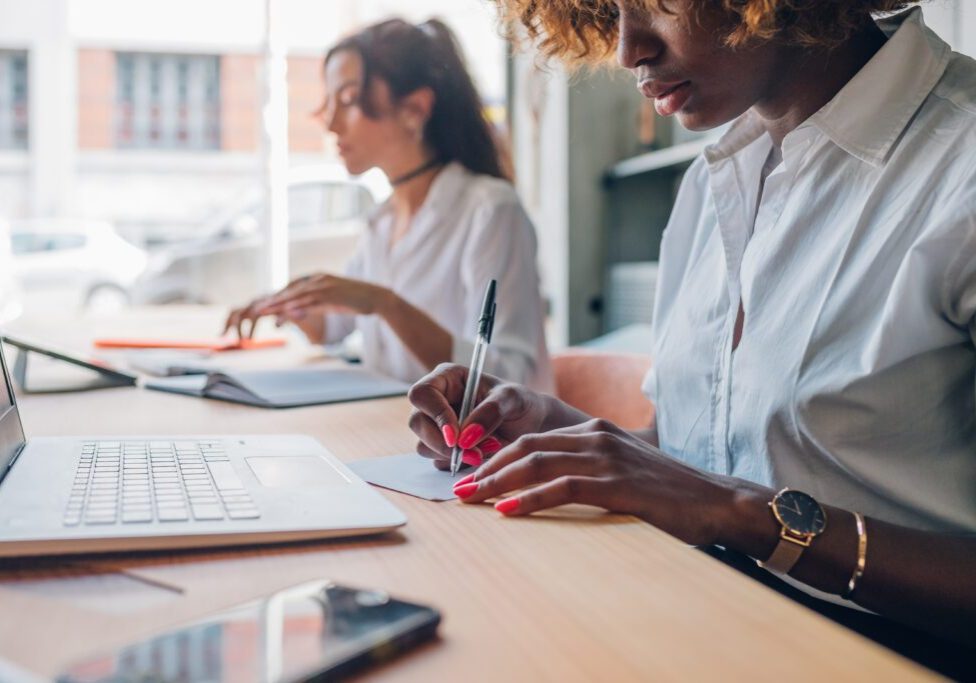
493, 413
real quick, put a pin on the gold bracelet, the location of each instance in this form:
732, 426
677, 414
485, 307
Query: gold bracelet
862, 553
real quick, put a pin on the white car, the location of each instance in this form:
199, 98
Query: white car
327, 211
73, 263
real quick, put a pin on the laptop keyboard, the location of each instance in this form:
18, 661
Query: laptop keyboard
138, 482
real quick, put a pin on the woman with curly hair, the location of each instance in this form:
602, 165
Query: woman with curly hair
815, 314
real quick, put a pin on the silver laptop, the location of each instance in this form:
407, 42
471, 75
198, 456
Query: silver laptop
87, 494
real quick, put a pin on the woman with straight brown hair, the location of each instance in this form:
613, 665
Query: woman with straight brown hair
399, 98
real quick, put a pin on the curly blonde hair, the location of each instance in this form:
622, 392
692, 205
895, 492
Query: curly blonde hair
585, 31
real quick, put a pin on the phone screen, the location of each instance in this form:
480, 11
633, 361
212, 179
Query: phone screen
316, 630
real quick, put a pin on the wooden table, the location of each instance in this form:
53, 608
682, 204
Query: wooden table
567, 596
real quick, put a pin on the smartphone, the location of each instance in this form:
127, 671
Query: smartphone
316, 631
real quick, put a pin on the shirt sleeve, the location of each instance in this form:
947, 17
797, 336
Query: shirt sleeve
502, 246
338, 326
959, 294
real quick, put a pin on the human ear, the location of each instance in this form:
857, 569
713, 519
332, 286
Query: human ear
416, 109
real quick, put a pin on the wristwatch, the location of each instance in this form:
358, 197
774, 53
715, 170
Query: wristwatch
802, 519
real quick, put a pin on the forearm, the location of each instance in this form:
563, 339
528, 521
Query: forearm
917, 577
430, 343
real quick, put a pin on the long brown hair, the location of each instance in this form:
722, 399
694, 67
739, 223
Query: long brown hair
410, 57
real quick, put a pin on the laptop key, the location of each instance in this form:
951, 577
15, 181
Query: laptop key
209, 500
225, 476
136, 516
244, 513
100, 499
203, 512
172, 515
100, 520
231, 507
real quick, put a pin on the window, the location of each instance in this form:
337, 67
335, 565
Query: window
167, 101
13, 100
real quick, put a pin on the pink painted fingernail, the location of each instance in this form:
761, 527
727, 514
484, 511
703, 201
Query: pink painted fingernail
465, 480
471, 435
466, 490
450, 436
490, 445
472, 457
506, 506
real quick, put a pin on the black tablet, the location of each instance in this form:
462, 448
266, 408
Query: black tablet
110, 374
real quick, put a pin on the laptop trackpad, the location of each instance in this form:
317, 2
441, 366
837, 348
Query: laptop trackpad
294, 471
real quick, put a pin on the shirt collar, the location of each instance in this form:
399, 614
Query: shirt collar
869, 114
446, 187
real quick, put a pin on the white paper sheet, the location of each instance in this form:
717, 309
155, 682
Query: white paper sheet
409, 473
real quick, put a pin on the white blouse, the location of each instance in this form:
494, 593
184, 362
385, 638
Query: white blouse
470, 229
855, 377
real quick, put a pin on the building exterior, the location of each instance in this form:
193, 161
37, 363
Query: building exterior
149, 114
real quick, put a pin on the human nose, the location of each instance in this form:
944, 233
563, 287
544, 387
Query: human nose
333, 121
637, 42
326, 114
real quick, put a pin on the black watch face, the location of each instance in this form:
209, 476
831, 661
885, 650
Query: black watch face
800, 512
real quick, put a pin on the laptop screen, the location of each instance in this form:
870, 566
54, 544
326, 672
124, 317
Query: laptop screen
11, 431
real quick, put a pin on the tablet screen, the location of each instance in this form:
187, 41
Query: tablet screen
11, 431
68, 356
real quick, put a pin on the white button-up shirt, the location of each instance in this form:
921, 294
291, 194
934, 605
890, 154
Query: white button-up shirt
854, 378
470, 229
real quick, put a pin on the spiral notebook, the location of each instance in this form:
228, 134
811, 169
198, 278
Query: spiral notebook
288, 388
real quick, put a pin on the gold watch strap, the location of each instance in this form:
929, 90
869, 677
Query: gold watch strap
785, 555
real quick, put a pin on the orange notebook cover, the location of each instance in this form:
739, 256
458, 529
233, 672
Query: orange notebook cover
204, 344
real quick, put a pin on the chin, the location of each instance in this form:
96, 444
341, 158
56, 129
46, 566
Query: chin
700, 119
354, 167
700, 122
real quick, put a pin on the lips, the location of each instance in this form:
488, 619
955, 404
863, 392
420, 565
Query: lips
654, 89
669, 96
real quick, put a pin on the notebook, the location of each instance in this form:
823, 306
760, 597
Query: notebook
288, 388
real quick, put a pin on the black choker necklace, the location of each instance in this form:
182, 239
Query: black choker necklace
423, 168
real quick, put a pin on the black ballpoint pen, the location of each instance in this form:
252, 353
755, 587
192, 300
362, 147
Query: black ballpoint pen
486, 323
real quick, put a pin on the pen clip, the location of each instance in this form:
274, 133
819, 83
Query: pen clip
489, 325
486, 323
